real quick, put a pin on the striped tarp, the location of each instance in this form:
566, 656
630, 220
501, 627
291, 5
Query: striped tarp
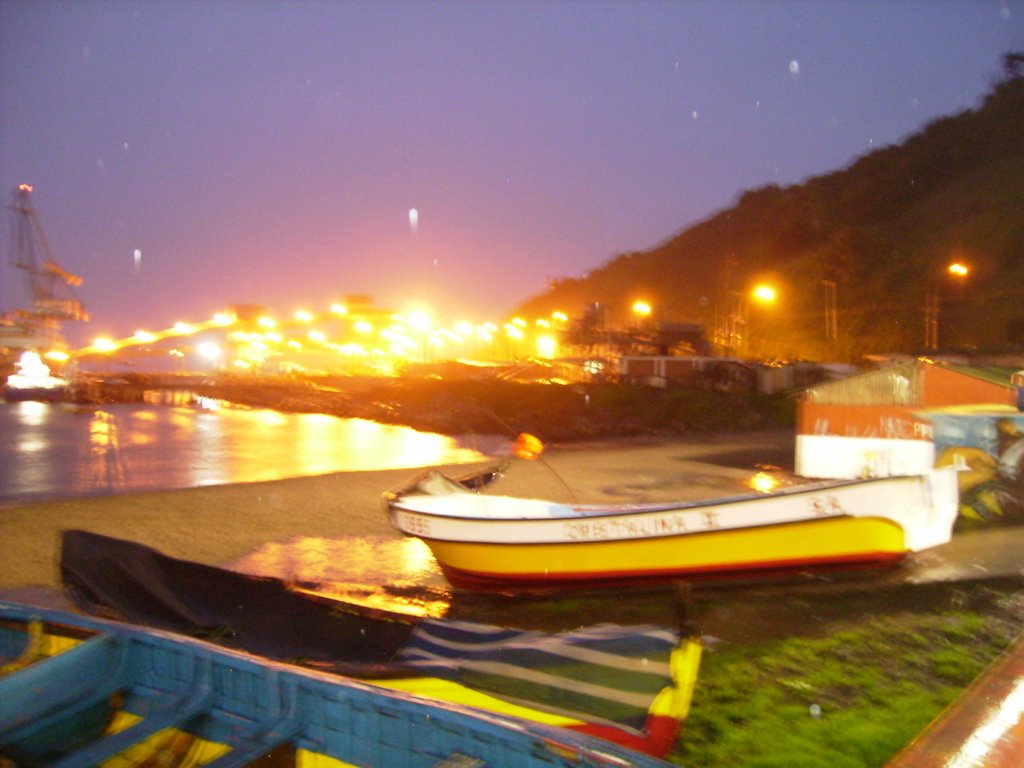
609, 671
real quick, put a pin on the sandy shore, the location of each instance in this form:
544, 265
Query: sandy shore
218, 525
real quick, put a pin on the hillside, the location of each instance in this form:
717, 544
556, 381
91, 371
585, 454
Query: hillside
882, 230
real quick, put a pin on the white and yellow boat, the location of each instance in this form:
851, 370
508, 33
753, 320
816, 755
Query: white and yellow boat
492, 541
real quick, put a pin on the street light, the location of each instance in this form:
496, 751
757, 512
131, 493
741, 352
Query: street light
831, 323
737, 339
957, 270
764, 294
641, 309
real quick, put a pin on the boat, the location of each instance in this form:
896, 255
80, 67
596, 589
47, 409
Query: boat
84, 691
630, 685
483, 540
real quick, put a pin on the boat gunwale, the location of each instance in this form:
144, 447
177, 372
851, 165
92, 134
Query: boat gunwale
597, 513
826, 518
393, 501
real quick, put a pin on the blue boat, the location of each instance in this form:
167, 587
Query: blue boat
84, 691
631, 684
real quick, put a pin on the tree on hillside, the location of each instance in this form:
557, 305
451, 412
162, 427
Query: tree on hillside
858, 253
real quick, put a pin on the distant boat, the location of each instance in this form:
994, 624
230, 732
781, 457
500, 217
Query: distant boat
76, 690
486, 541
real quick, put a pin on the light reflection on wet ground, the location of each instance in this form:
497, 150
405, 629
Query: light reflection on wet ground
399, 575
394, 574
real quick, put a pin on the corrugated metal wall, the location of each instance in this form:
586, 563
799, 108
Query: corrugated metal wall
901, 385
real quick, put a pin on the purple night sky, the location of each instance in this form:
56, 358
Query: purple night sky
273, 152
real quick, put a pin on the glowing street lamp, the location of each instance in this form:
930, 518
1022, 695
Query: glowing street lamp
420, 321
736, 333
764, 294
547, 347
641, 309
103, 344
958, 271
209, 350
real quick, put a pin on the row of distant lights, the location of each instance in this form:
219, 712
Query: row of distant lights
396, 334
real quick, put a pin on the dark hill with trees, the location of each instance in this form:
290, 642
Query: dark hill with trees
877, 235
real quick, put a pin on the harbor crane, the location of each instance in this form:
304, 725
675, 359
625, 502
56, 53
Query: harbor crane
51, 287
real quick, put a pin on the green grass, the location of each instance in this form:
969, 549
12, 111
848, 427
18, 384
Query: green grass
850, 699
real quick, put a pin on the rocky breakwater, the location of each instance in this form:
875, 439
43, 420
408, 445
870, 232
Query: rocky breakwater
556, 412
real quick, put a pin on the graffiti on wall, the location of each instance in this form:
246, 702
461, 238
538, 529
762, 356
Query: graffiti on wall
990, 447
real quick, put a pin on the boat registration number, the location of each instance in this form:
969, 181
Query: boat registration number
414, 524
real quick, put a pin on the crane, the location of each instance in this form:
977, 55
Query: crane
51, 287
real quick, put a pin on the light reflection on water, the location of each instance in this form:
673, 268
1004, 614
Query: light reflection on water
53, 451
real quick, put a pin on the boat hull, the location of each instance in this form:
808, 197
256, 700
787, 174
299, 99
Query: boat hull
497, 542
119, 692
850, 542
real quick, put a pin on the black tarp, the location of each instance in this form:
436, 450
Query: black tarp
134, 583
603, 673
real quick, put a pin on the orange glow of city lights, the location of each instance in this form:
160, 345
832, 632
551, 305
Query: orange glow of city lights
958, 269
104, 344
641, 309
764, 293
419, 320
547, 347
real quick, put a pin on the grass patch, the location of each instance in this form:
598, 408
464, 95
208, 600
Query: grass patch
850, 699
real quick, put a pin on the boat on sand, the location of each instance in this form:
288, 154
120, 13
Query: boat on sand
82, 691
486, 541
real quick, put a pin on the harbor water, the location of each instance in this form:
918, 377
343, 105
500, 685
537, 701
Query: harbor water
54, 450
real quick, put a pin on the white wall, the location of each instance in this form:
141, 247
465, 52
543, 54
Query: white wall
832, 457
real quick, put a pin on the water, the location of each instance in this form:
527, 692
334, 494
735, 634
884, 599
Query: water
53, 451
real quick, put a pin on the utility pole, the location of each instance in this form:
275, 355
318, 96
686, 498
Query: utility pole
831, 322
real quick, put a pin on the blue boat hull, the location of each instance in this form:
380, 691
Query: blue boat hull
59, 709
